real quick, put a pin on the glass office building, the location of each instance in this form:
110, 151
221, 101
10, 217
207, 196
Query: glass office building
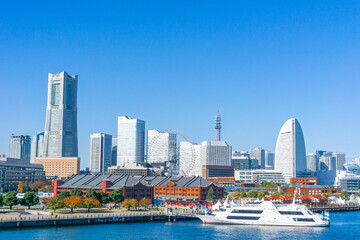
60, 135
100, 152
20, 147
37, 146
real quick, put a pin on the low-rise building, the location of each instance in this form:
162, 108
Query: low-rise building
350, 184
59, 166
223, 181
310, 190
209, 171
188, 188
303, 181
135, 170
13, 170
259, 176
132, 187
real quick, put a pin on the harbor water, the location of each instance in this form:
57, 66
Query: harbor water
344, 225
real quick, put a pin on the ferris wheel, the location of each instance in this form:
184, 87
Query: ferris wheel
172, 148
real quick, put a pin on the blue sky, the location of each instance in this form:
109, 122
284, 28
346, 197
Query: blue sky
174, 64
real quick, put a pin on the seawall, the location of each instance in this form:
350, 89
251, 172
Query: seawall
87, 219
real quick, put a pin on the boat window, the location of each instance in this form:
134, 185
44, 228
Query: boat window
243, 217
247, 211
290, 213
309, 212
303, 220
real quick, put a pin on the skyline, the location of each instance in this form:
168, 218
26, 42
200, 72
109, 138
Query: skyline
175, 67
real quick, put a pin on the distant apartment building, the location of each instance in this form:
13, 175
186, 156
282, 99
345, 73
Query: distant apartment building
37, 146
258, 154
189, 159
100, 152
20, 147
12, 171
327, 162
59, 167
161, 146
131, 140
60, 135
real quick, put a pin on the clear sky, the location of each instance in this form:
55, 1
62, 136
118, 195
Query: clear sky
174, 64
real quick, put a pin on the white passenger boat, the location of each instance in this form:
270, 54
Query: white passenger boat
265, 213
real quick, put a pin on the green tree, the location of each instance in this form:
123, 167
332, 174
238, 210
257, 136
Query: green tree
30, 199
261, 194
116, 196
243, 194
345, 196
210, 196
91, 193
63, 195
47, 189
91, 203
252, 194
76, 193
103, 197
1, 200
11, 199
55, 203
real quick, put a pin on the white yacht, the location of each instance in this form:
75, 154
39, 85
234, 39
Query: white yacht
266, 214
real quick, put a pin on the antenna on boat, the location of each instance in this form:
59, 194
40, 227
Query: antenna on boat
295, 191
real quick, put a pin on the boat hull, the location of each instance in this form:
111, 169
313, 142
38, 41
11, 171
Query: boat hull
208, 219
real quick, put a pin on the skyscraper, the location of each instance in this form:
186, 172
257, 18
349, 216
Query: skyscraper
339, 160
312, 162
37, 146
217, 127
269, 160
327, 161
20, 147
100, 152
161, 146
290, 154
113, 151
131, 140
259, 154
60, 135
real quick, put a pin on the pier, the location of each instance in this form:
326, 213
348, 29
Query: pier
96, 218
335, 208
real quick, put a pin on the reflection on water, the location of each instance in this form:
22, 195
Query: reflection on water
343, 226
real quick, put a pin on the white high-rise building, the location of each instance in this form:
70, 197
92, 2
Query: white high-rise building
189, 158
131, 140
100, 152
312, 162
290, 154
327, 162
161, 146
37, 146
217, 153
258, 154
269, 160
60, 135
339, 160
357, 161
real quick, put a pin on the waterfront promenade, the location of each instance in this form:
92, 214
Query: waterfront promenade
13, 221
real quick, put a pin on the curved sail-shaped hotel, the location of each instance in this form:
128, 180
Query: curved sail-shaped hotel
290, 154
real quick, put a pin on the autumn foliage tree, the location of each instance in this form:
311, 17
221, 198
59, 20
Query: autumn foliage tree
37, 185
73, 202
21, 186
91, 203
145, 202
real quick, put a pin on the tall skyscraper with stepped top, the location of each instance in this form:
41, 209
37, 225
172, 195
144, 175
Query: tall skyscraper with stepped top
60, 135
290, 154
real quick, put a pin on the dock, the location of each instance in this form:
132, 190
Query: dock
96, 218
335, 208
